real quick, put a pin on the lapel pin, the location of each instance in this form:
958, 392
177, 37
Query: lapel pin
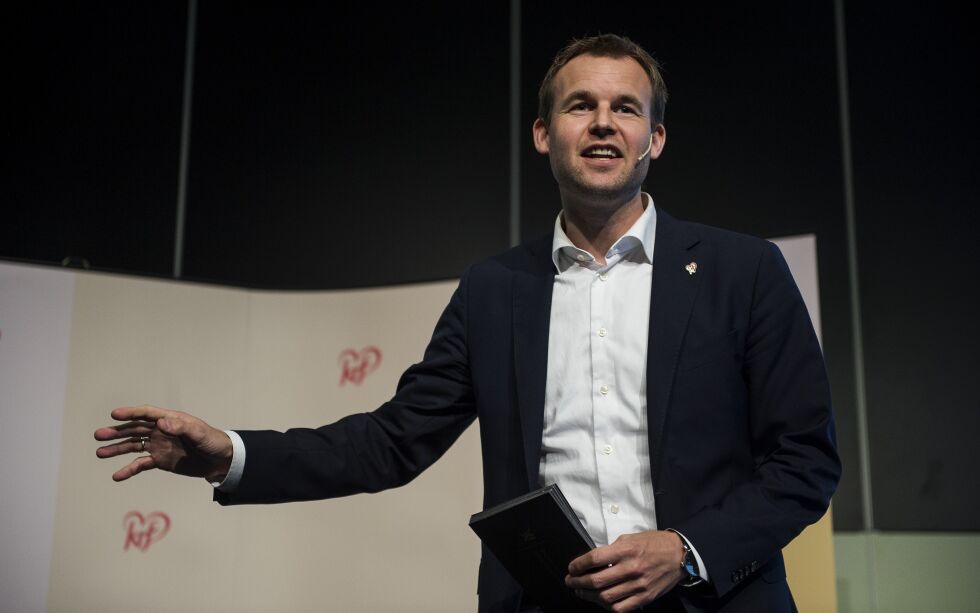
691, 268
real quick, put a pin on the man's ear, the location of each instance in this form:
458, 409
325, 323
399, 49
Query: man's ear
540, 133
657, 141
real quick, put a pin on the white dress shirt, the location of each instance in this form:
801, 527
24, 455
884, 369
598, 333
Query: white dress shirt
594, 444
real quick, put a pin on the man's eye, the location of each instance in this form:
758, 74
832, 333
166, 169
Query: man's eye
627, 109
580, 106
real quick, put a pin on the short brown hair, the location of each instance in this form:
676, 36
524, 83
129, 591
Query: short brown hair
604, 45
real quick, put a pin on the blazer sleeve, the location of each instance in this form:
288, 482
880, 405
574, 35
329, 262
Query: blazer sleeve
369, 452
792, 437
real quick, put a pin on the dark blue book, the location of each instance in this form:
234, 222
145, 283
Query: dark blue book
535, 536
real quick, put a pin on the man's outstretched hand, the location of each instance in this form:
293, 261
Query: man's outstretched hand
175, 441
633, 571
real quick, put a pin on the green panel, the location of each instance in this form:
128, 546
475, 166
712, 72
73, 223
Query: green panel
907, 572
851, 559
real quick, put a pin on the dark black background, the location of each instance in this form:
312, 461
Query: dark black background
351, 145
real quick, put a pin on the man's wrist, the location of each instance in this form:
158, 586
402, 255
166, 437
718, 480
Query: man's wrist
218, 473
236, 465
690, 562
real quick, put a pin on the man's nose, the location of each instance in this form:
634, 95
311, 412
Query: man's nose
602, 124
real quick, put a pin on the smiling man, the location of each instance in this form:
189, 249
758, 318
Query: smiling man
664, 374
599, 128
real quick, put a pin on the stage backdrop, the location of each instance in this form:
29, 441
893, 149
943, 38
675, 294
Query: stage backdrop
75, 345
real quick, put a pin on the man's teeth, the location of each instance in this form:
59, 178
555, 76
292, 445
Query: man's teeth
604, 153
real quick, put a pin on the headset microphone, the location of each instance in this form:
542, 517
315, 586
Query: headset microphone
649, 147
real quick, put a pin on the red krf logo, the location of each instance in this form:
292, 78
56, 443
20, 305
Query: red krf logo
355, 365
141, 532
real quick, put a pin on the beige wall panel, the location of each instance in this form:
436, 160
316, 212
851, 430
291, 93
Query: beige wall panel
810, 567
403, 550
248, 360
174, 345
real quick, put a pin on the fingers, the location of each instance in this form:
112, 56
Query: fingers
127, 430
635, 594
589, 596
629, 573
140, 422
597, 558
629, 604
140, 464
622, 597
130, 446
598, 579
145, 412
612, 601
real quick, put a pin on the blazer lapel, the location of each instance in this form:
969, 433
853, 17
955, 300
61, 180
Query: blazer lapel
532, 320
673, 290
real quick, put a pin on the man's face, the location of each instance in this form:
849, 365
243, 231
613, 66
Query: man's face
600, 126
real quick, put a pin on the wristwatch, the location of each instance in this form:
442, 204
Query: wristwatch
689, 564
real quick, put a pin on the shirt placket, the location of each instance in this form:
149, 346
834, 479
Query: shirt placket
604, 393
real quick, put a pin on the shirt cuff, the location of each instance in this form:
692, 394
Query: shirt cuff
234, 476
702, 570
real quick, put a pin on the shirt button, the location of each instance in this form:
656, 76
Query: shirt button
580, 257
607, 449
603, 277
614, 509
602, 331
604, 390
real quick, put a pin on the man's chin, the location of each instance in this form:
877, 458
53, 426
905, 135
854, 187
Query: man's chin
612, 188
611, 193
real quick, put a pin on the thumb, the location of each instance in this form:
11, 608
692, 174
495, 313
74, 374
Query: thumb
169, 426
179, 427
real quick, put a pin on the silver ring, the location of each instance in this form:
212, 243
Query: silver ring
143, 440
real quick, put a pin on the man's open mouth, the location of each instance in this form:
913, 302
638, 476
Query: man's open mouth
602, 152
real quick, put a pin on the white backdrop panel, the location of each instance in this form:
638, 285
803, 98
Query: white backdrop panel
35, 320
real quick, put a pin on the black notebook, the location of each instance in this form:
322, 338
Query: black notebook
535, 536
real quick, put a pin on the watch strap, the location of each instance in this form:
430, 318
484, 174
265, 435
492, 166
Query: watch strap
689, 563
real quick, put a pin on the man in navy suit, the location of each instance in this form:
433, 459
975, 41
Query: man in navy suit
664, 374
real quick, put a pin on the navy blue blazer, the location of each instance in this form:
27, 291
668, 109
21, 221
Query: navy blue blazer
741, 429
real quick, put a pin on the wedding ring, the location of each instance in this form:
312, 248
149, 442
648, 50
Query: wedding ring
143, 440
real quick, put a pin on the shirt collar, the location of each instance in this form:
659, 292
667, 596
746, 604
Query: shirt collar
641, 233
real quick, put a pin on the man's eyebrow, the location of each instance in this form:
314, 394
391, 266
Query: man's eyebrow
629, 99
578, 94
